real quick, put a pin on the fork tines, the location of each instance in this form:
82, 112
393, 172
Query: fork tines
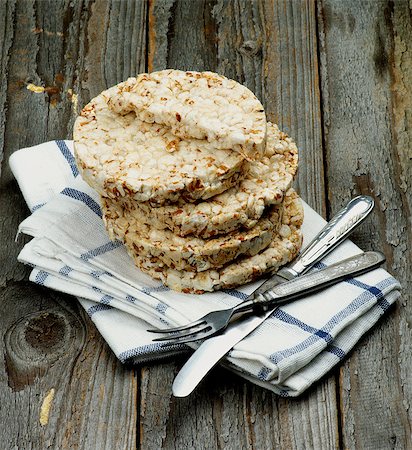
178, 334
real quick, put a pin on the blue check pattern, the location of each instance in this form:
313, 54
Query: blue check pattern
97, 282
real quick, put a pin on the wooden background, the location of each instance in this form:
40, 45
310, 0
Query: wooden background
337, 76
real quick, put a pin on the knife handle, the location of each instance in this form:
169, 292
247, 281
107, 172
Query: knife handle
333, 233
354, 213
306, 284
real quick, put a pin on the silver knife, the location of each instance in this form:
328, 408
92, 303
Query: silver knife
215, 348
191, 374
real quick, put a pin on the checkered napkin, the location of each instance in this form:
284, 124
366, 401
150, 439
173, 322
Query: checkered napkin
71, 252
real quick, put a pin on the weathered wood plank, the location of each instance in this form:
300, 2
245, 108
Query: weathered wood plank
71, 49
291, 87
177, 29
271, 47
6, 27
116, 45
366, 80
48, 343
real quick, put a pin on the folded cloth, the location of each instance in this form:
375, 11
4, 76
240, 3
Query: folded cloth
71, 252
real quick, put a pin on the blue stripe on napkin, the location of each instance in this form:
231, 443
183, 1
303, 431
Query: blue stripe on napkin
109, 246
106, 299
65, 151
161, 307
235, 293
285, 317
97, 273
65, 270
84, 198
97, 308
161, 288
150, 349
36, 207
336, 351
323, 333
41, 277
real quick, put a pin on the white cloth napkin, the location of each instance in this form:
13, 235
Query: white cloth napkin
71, 252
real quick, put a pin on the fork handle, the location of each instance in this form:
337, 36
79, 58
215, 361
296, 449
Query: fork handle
307, 284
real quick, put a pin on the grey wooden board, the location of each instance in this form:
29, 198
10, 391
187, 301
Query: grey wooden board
367, 110
358, 93
47, 342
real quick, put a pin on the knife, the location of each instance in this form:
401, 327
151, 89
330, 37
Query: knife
215, 348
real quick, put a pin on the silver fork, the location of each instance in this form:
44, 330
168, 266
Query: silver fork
291, 290
341, 225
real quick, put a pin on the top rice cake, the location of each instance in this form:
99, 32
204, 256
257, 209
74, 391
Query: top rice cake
119, 155
200, 105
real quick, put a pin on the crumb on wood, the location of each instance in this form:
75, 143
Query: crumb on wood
45, 408
33, 88
74, 98
38, 30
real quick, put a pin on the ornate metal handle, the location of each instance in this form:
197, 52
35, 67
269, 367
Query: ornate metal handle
306, 284
334, 232
354, 213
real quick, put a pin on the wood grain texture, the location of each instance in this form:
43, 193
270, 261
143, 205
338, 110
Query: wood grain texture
6, 27
367, 84
226, 413
256, 44
291, 87
116, 45
270, 46
359, 110
49, 343
46, 340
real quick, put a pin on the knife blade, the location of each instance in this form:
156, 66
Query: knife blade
215, 348
211, 351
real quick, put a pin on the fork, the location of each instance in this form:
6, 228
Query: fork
331, 235
301, 286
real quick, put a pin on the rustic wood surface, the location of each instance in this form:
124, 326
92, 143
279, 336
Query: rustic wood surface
337, 76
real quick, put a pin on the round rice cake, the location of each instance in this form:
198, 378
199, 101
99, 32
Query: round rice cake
265, 184
122, 156
200, 105
187, 253
282, 249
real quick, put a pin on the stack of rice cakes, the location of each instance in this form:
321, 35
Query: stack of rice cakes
192, 178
